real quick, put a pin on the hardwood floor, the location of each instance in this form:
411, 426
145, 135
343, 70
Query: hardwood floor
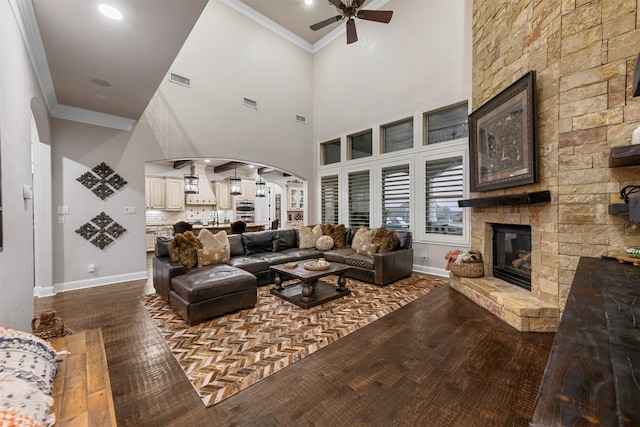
438, 361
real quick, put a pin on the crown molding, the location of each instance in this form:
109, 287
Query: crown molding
27, 23
91, 117
268, 23
288, 35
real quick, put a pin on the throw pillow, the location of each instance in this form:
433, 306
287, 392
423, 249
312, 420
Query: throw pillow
307, 238
214, 241
337, 232
212, 256
363, 235
367, 249
184, 249
387, 239
324, 243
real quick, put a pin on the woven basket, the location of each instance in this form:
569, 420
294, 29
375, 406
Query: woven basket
467, 269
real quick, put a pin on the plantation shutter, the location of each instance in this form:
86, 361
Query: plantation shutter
359, 199
329, 199
396, 196
444, 186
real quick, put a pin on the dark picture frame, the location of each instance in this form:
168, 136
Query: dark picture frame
503, 138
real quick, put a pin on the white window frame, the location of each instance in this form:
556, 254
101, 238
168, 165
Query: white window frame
404, 159
456, 148
362, 167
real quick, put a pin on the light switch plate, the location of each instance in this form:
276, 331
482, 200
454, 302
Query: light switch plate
129, 209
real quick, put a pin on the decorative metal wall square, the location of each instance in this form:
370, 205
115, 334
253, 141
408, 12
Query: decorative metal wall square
101, 230
98, 180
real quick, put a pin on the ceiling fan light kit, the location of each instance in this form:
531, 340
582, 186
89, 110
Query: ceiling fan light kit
350, 11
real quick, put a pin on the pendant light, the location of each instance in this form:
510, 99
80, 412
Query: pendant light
191, 182
235, 183
261, 187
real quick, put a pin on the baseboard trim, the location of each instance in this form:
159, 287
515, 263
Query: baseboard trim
430, 270
98, 281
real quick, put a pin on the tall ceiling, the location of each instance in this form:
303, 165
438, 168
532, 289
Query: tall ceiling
96, 70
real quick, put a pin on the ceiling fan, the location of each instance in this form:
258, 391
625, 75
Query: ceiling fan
350, 10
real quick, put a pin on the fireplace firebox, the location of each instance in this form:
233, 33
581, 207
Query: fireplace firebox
512, 254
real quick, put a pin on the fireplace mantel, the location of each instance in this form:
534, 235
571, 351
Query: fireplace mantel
507, 200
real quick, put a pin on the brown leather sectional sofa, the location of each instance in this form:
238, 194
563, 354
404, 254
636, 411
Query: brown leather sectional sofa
200, 293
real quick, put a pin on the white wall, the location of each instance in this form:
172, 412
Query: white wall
17, 89
229, 57
77, 148
420, 61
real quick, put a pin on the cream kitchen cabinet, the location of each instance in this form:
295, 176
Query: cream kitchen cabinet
153, 232
223, 198
295, 198
248, 188
174, 194
154, 192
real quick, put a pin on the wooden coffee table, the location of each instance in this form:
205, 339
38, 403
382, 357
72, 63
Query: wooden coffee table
310, 291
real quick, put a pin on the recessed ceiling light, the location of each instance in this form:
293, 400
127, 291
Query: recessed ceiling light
308, 1
99, 96
102, 83
110, 12
207, 161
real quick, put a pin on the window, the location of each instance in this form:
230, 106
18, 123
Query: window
330, 152
360, 145
447, 125
329, 198
396, 195
359, 199
444, 186
397, 136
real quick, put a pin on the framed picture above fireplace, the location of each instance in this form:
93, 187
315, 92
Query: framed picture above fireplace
502, 138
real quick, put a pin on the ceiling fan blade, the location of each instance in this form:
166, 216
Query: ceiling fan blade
338, 3
352, 35
358, 3
376, 15
326, 22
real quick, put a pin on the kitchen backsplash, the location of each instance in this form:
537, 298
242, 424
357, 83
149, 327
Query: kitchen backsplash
191, 213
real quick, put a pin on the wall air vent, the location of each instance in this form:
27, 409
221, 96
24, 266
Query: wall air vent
250, 103
301, 119
175, 78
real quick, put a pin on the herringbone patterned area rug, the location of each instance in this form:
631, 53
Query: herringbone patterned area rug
229, 353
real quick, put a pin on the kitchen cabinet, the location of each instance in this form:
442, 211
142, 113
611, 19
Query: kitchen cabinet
155, 191
174, 194
223, 198
295, 197
153, 232
248, 188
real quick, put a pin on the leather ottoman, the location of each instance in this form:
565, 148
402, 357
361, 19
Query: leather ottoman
212, 291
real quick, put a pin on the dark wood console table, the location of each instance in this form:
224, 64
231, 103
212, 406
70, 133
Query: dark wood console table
593, 373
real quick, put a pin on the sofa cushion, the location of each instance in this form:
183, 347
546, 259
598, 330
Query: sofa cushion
324, 243
306, 253
308, 236
281, 257
252, 264
338, 255
214, 241
236, 248
361, 261
337, 232
184, 249
367, 249
206, 283
386, 239
363, 235
284, 239
257, 242
212, 256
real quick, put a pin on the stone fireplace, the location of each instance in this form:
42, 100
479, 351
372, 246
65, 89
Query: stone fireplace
520, 235
512, 254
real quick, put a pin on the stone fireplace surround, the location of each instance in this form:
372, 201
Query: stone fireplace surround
524, 310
